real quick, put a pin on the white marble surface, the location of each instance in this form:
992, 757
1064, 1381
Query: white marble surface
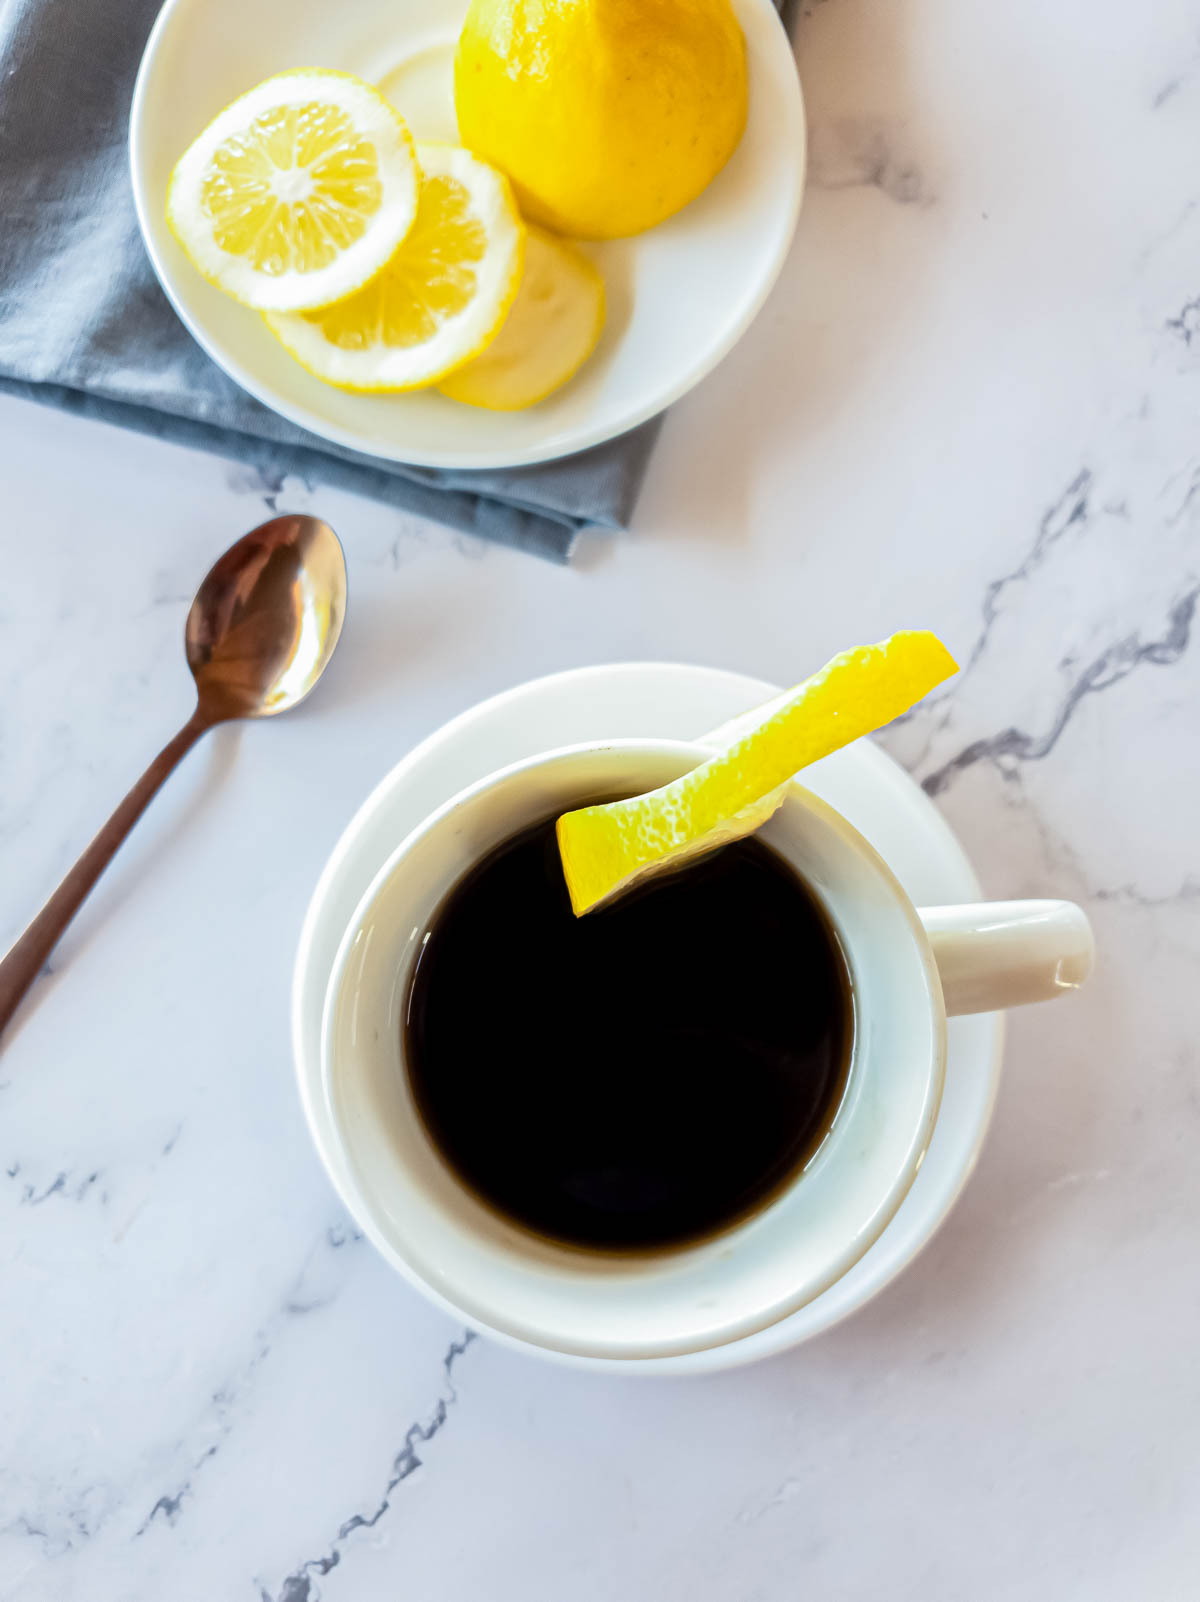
973, 404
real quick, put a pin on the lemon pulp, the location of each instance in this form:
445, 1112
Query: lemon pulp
295, 188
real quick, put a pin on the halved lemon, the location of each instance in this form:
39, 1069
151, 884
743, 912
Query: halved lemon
607, 849
550, 332
442, 297
298, 193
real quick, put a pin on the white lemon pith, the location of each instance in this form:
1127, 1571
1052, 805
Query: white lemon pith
607, 849
550, 332
298, 193
440, 299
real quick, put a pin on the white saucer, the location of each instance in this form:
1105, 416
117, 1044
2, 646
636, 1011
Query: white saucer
680, 296
662, 699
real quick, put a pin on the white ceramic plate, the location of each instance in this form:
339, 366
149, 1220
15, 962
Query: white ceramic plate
663, 700
680, 296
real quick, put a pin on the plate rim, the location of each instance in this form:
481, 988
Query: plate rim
584, 438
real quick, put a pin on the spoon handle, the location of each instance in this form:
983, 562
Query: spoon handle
28, 955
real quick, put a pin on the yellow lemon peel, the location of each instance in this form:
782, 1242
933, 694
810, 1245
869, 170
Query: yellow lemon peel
607, 849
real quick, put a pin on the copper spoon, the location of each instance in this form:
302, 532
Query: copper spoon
259, 635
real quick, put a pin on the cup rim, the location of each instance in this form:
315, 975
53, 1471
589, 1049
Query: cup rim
513, 1328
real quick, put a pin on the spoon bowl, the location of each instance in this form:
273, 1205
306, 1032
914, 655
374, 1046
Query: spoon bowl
266, 619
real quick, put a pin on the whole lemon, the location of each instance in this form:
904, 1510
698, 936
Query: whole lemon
607, 115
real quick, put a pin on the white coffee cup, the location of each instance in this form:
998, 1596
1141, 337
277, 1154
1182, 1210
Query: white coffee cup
908, 970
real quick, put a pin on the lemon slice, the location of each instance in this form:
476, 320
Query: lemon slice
550, 332
298, 193
607, 849
441, 298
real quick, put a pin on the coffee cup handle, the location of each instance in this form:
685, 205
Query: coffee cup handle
995, 954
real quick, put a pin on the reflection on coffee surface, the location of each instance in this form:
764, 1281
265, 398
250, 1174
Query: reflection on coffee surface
640, 1077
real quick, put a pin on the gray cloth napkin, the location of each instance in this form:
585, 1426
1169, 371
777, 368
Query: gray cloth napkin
85, 327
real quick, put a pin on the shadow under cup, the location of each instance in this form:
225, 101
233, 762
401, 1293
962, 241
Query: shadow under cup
721, 1288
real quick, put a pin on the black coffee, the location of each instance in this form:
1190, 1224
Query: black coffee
641, 1076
